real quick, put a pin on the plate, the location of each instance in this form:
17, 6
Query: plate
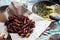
47, 10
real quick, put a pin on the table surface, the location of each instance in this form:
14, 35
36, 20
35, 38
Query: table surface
43, 37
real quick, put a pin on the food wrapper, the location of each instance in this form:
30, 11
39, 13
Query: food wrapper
18, 9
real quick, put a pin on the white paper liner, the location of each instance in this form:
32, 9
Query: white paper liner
40, 26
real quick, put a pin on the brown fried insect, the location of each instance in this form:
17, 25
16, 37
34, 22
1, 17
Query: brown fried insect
21, 25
